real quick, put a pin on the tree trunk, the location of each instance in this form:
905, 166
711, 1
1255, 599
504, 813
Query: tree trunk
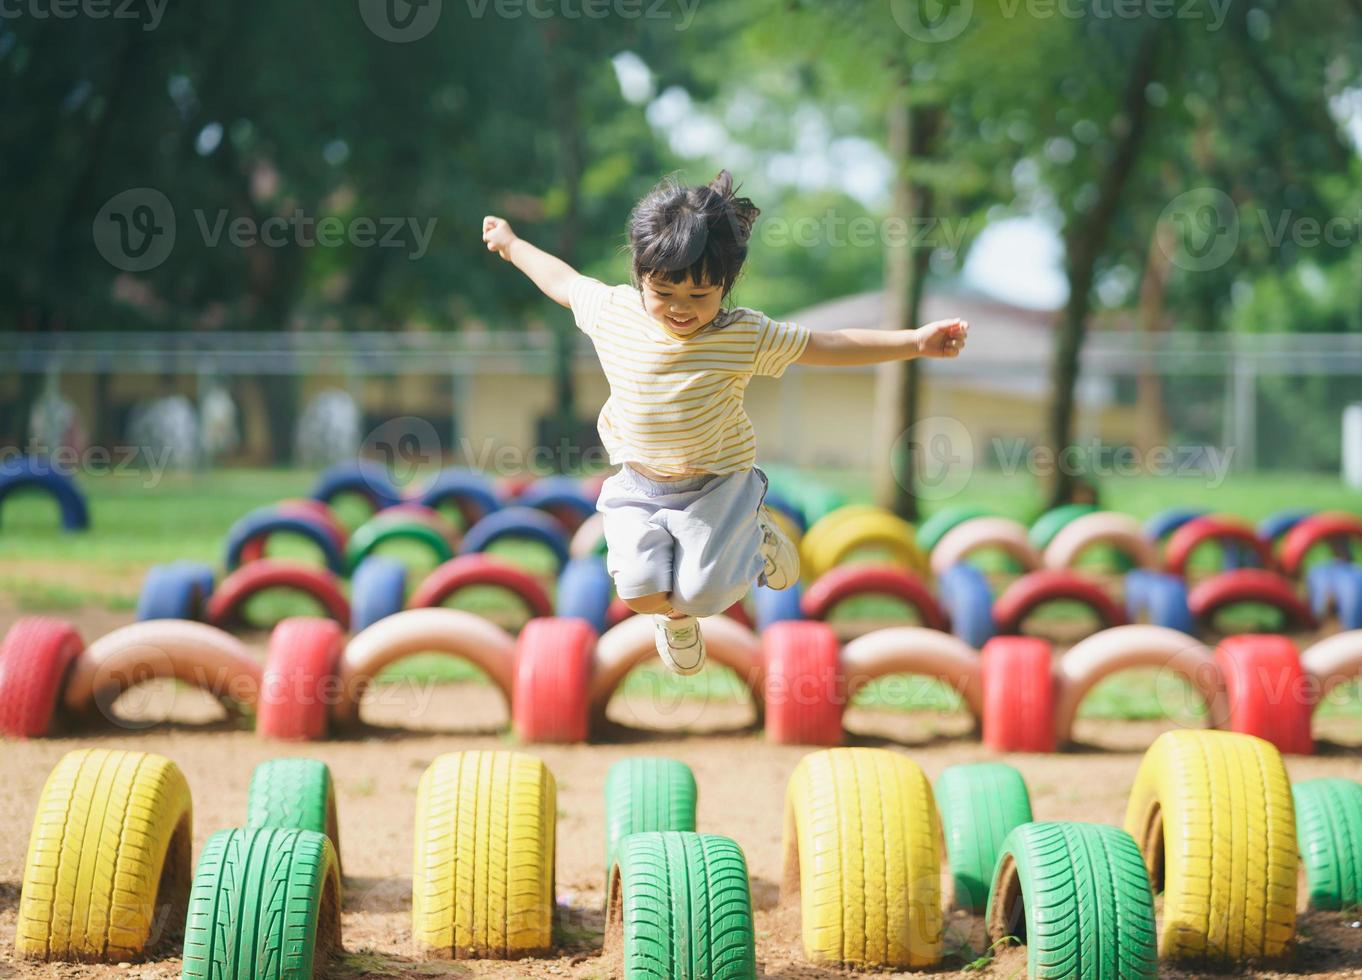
1084, 244
1149, 416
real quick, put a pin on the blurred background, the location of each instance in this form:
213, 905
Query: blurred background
248, 234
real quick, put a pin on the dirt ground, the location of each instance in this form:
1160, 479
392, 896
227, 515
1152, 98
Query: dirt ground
741, 780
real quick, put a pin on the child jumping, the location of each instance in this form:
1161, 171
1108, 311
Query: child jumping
686, 526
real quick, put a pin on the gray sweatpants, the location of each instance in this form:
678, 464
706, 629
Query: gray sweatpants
696, 537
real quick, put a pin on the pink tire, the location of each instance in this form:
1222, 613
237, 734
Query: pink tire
193, 653
587, 539
1019, 695
481, 569
1268, 693
979, 533
35, 658
299, 679
624, 647
1092, 660
846, 581
1034, 589
915, 650
553, 661
1219, 528
1119, 531
485, 645
805, 690
1334, 661
1316, 529
270, 573
1249, 585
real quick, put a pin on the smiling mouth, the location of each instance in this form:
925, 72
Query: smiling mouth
680, 323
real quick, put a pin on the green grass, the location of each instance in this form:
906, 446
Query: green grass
187, 516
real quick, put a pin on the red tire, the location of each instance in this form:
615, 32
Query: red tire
1033, 589
269, 573
479, 569
303, 658
306, 507
1313, 530
1199, 530
34, 660
551, 696
513, 485
1249, 585
847, 581
805, 692
1268, 693
1019, 695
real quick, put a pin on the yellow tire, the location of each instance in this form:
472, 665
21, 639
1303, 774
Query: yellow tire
863, 528
1213, 815
863, 853
822, 527
482, 881
109, 863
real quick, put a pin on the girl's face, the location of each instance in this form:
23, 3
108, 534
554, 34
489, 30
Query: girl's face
682, 307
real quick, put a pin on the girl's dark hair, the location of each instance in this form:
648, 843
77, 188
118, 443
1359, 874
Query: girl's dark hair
676, 232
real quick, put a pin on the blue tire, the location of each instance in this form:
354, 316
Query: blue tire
178, 590
968, 604
368, 479
1348, 600
518, 522
472, 491
1136, 584
1320, 589
1273, 526
1334, 588
1165, 522
772, 606
378, 590
1165, 604
779, 502
557, 491
24, 472
584, 591
269, 521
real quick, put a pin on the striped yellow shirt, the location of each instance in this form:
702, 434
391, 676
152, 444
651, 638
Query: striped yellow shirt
676, 403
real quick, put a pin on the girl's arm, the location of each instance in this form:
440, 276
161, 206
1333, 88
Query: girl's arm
941, 338
550, 273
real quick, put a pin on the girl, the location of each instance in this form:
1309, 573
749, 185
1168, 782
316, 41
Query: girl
685, 521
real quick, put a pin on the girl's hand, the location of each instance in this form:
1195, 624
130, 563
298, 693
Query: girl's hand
942, 338
498, 235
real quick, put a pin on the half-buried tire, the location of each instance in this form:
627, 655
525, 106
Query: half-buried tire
265, 904
482, 884
294, 794
296, 685
109, 858
1329, 837
34, 660
980, 803
1078, 896
179, 590
682, 908
645, 794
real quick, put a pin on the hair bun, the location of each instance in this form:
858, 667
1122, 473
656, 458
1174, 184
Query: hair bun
741, 210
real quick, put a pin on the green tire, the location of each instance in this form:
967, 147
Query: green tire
643, 794
683, 908
265, 904
1078, 896
294, 794
980, 804
1329, 837
1050, 523
371, 534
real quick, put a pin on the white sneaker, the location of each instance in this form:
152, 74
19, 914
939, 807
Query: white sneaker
780, 553
679, 643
